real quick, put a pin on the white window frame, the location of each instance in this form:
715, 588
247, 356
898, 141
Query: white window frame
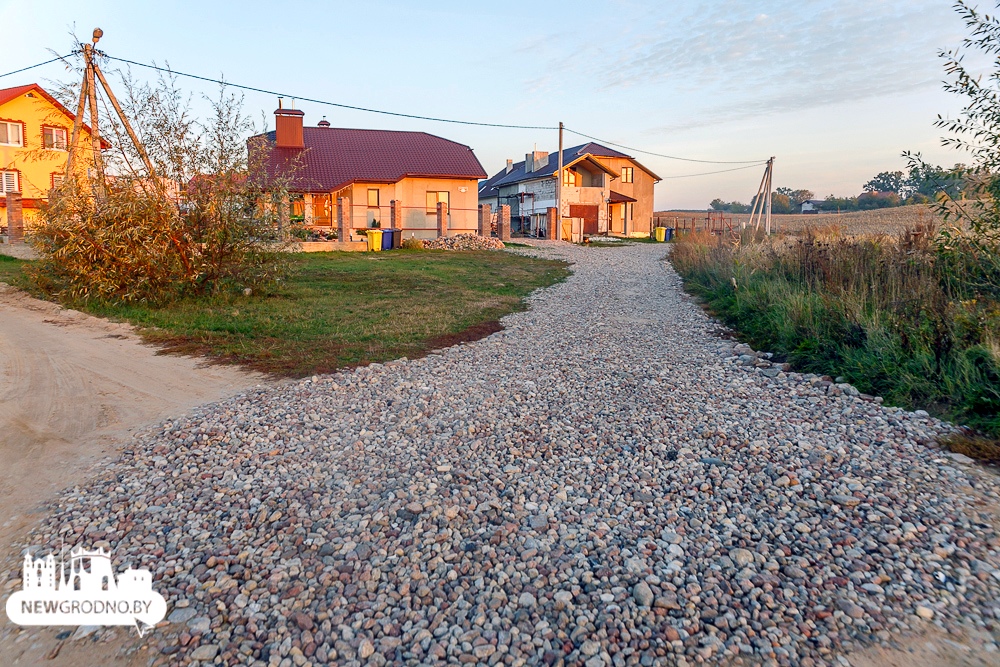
56, 145
9, 181
20, 133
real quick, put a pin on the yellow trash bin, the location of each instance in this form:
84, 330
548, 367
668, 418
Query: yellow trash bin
661, 234
375, 240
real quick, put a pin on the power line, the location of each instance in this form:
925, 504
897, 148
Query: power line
429, 118
722, 171
25, 69
756, 163
333, 104
669, 157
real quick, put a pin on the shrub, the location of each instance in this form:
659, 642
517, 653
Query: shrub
198, 224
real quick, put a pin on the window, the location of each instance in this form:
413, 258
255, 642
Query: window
626, 174
9, 181
297, 204
372, 197
433, 198
57, 179
570, 178
10, 134
54, 138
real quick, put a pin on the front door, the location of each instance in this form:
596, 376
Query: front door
588, 213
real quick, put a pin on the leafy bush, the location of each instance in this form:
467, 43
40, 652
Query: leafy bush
197, 225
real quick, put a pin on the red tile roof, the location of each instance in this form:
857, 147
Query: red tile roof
8, 94
336, 157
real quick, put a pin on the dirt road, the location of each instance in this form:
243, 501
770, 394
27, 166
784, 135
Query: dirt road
73, 388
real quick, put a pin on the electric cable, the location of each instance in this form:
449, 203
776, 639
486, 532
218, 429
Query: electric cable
25, 69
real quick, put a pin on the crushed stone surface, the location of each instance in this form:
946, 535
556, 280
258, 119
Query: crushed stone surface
605, 482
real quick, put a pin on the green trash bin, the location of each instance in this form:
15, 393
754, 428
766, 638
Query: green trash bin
374, 240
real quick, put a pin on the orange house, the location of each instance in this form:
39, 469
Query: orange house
34, 136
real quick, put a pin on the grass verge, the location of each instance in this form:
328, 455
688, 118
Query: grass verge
341, 309
891, 316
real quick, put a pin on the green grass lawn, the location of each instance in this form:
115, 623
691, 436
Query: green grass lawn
10, 269
342, 309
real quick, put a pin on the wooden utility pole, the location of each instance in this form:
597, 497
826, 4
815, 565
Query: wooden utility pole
764, 199
559, 182
88, 97
95, 130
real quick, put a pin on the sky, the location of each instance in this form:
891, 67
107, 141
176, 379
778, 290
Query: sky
835, 90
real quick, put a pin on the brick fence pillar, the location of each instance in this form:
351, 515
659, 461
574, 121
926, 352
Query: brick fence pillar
485, 217
442, 218
503, 223
552, 228
396, 214
15, 218
343, 219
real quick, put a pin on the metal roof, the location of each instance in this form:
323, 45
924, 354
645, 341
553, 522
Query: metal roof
336, 157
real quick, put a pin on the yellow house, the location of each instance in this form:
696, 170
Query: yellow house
34, 136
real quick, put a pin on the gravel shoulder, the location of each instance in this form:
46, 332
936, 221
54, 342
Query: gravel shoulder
605, 482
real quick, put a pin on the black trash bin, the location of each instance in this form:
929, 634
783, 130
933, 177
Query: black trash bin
397, 238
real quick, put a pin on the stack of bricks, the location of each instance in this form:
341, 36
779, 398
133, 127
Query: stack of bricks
15, 218
343, 219
442, 218
503, 223
485, 218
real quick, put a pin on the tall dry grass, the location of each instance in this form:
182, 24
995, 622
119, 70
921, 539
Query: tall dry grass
901, 316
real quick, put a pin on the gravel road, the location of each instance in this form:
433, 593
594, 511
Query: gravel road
605, 482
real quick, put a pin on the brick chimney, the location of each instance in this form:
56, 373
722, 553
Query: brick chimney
510, 166
288, 127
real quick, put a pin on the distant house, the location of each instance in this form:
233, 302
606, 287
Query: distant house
372, 168
812, 206
35, 131
608, 190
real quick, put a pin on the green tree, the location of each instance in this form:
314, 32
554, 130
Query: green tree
728, 206
795, 197
976, 132
886, 181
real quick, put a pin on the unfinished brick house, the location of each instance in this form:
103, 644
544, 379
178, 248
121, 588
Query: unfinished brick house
373, 174
609, 191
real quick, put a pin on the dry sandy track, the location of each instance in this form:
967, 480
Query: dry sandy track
73, 389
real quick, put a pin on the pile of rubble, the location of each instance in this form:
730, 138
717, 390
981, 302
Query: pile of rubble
464, 242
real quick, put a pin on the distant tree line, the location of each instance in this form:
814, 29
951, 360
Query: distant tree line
923, 184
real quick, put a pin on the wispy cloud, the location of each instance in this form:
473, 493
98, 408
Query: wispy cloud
775, 56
